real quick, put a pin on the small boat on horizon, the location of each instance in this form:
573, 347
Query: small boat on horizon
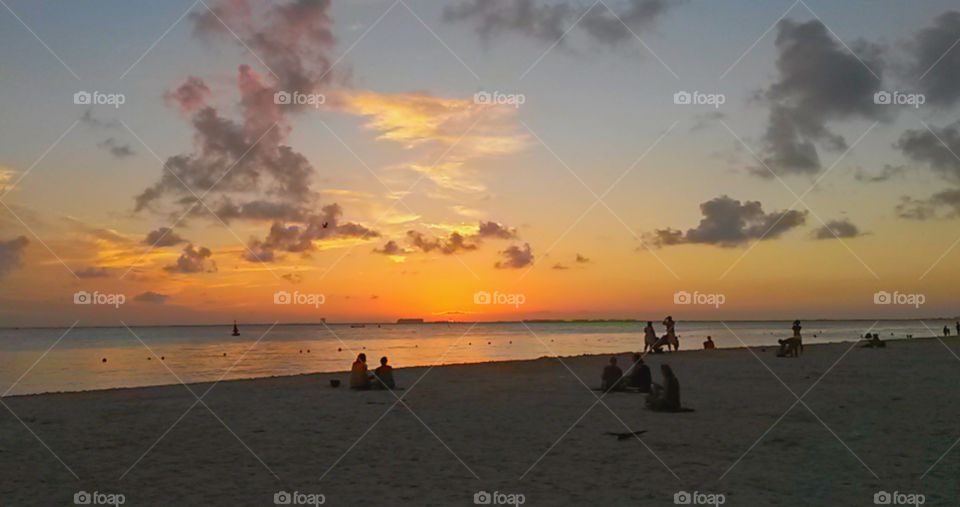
236, 330
358, 325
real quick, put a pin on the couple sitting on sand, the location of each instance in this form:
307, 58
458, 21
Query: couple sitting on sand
382, 377
638, 377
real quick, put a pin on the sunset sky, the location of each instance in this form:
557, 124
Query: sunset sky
200, 198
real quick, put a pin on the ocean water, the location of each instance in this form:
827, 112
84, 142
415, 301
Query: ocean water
48, 360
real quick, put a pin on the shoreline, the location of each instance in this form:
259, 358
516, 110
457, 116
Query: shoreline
475, 363
447, 322
533, 427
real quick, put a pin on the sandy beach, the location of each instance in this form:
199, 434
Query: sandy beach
872, 421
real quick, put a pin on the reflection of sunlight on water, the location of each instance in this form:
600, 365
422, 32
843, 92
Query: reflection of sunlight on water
205, 354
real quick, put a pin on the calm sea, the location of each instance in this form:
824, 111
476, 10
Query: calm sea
46, 360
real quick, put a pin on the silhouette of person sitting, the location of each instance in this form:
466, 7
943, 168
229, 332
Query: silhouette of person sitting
666, 397
384, 374
612, 376
874, 341
709, 345
359, 379
639, 376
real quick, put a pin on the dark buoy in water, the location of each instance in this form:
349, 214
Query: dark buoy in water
103, 360
301, 351
149, 358
236, 331
163, 358
339, 349
488, 343
224, 354
308, 351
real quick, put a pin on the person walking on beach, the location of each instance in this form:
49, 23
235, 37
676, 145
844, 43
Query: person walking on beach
958, 328
709, 345
649, 337
671, 336
946, 331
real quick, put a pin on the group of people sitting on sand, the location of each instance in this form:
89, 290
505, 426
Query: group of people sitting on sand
663, 398
382, 377
651, 343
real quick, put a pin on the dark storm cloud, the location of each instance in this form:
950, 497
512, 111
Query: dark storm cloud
728, 222
837, 229
193, 260
11, 254
936, 148
495, 230
549, 22
944, 204
818, 81
162, 237
936, 63
515, 257
390, 248
452, 244
299, 237
116, 148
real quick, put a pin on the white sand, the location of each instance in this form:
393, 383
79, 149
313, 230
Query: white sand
896, 408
